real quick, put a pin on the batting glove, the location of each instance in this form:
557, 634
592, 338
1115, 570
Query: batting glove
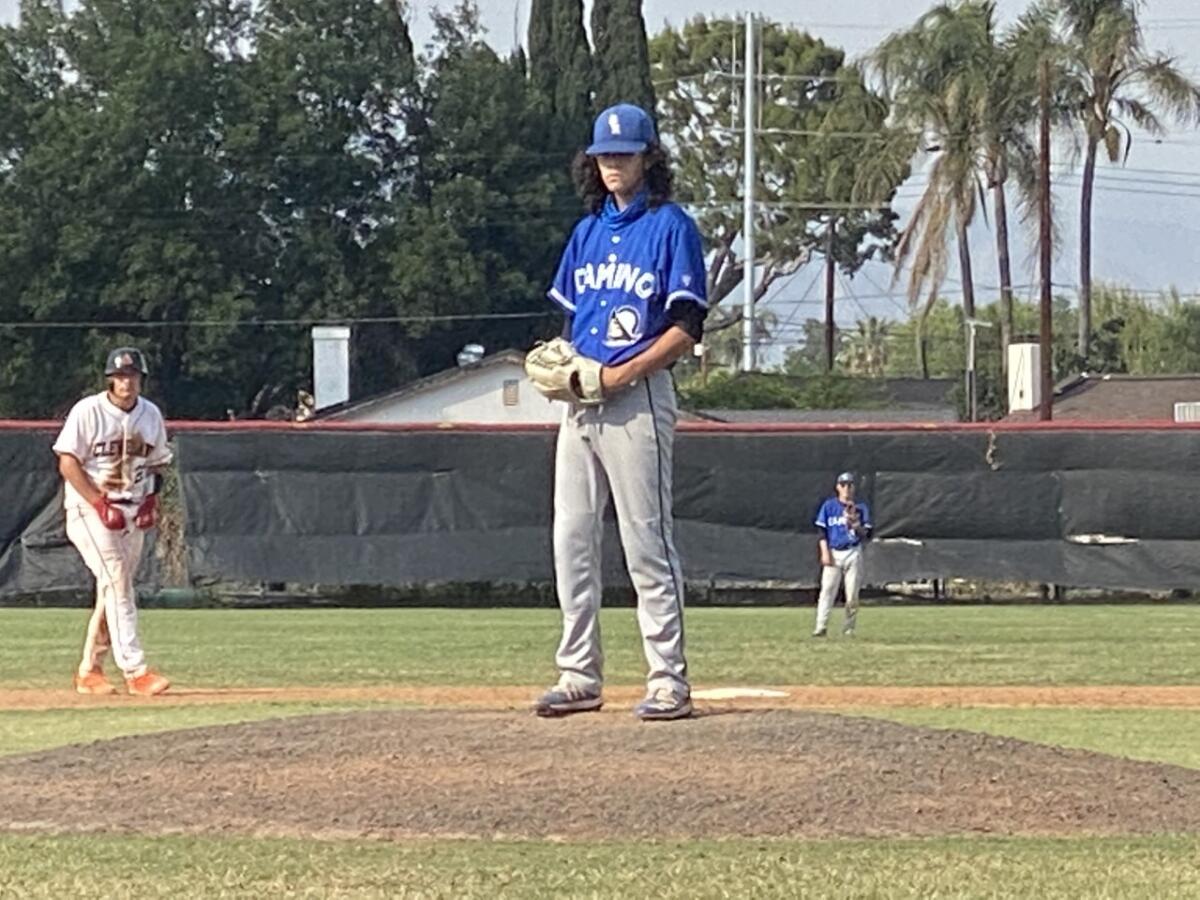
113, 518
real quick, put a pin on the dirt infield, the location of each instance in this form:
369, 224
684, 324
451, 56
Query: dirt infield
512, 697
397, 774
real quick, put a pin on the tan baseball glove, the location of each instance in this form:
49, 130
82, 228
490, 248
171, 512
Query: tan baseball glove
562, 374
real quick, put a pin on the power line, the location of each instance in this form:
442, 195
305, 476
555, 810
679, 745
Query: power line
902, 307
803, 301
269, 323
849, 291
1067, 170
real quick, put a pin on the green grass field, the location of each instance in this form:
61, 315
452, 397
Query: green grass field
926, 645
173, 867
1060, 645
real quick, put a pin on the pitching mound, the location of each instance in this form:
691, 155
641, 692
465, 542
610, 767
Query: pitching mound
398, 774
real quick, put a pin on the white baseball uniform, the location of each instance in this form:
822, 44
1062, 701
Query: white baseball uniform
118, 450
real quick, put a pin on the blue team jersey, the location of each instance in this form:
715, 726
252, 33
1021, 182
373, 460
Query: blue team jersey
620, 273
832, 518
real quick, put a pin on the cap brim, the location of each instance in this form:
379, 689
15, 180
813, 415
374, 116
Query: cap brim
616, 147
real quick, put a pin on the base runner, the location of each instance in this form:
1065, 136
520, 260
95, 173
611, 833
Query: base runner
111, 451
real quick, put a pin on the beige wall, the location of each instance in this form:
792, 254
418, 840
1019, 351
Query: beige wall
477, 396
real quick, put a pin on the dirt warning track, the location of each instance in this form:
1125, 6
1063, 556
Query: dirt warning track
510, 697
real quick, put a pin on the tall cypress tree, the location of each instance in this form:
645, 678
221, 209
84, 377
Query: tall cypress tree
573, 91
622, 60
541, 52
560, 65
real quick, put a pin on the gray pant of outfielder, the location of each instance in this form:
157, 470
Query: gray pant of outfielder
623, 447
847, 564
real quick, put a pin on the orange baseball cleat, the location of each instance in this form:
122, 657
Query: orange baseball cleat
93, 682
148, 684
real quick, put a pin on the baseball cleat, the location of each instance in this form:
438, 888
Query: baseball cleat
148, 684
664, 705
820, 632
93, 682
562, 700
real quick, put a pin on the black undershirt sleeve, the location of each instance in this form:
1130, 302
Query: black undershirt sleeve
688, 315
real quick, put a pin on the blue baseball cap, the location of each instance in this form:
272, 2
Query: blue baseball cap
846, 478
623, 128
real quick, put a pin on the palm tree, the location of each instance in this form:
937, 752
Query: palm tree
938, 76
1117, 82
865, 351
1009, 151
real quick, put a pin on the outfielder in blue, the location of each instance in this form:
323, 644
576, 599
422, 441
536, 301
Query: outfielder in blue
632, 285
845, 526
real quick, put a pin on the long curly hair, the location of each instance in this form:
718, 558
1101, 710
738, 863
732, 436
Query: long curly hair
660, 181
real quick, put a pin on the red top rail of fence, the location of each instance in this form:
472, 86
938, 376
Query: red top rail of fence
689, 427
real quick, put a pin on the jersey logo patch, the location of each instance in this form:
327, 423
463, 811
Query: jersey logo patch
624, 327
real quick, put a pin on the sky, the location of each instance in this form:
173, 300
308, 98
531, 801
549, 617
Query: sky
1147, 213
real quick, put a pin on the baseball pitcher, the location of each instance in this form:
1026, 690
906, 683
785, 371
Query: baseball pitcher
845, 526
632, 285
110, 453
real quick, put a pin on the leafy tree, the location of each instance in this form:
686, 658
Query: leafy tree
494, 208
113, 200
197, 164
758, 390
808, 356
723, 346
322, 135
1142, 335
814, 161
930, 344
944, 354
621, 60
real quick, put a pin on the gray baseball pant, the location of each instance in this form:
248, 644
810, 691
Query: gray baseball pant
847, 564
623, 448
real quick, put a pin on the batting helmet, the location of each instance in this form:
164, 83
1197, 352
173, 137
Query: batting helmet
126, 361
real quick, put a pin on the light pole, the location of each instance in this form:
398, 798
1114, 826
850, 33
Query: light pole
972, 403
748, 204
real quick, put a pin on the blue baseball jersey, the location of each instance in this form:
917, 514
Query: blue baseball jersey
832, 518
620, 273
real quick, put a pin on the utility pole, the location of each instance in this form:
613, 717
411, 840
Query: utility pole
748, 204
829, 273
1046, 412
